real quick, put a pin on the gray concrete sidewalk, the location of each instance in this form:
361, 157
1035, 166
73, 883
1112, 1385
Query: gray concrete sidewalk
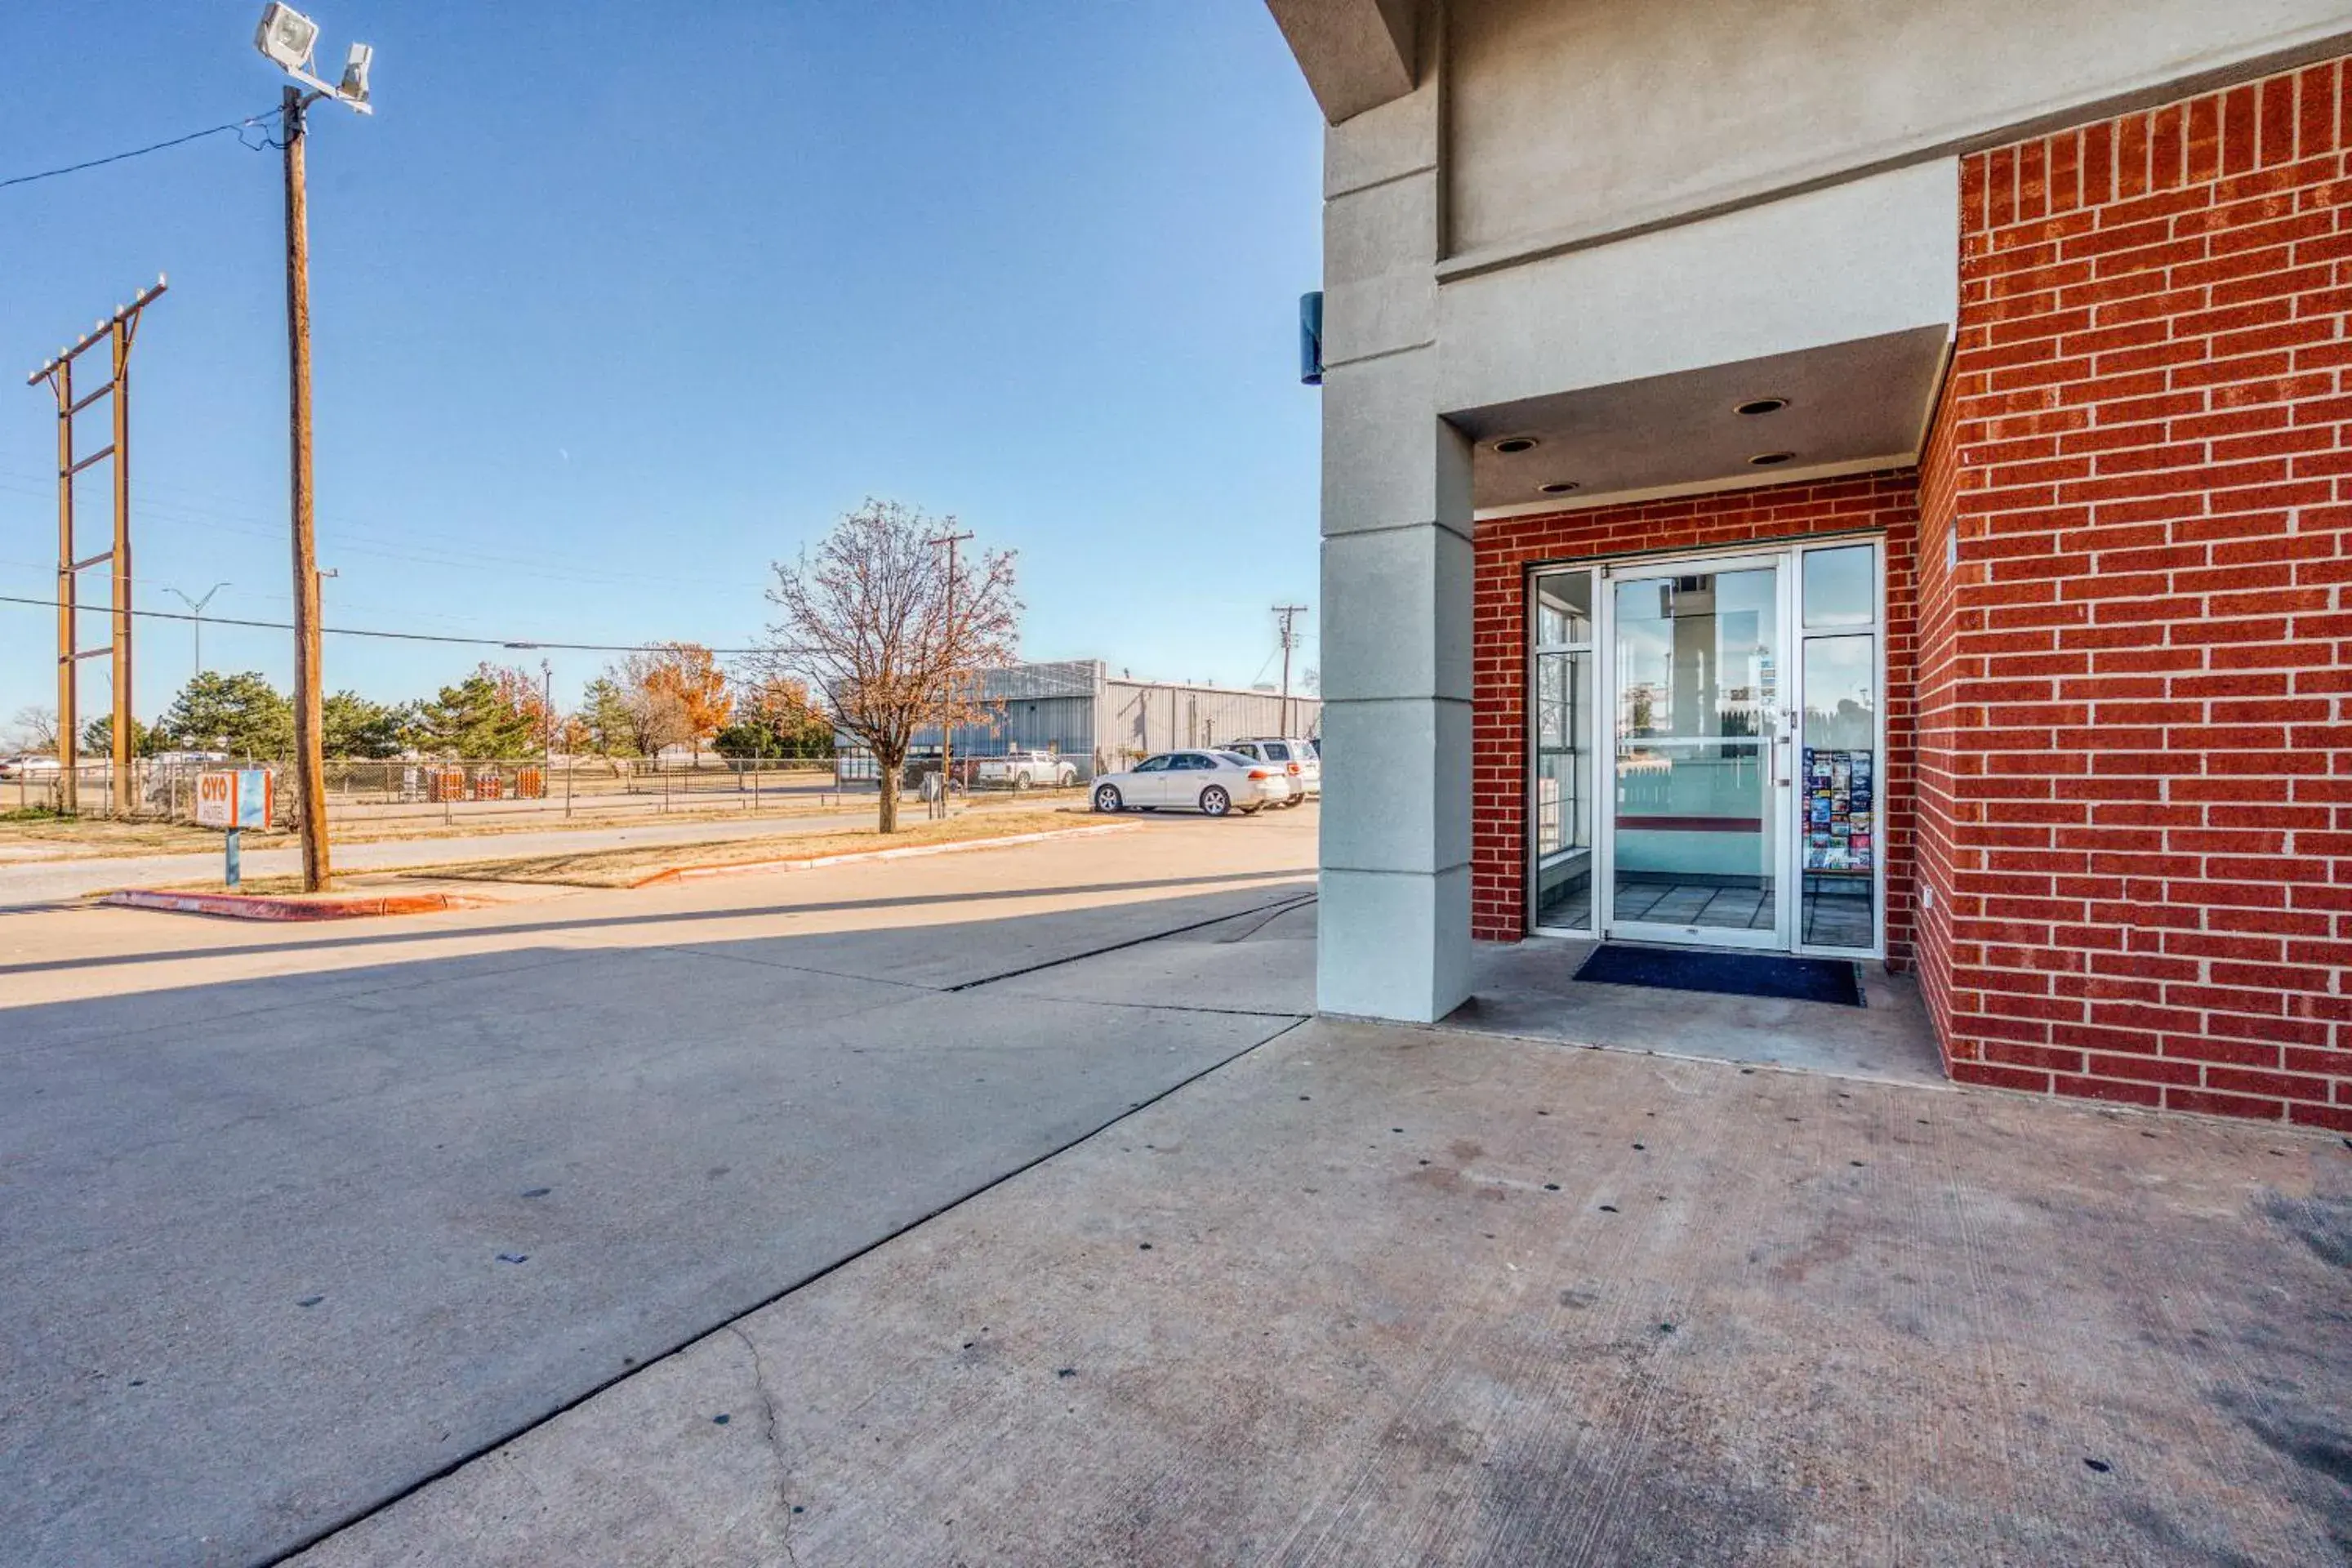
1374, 1295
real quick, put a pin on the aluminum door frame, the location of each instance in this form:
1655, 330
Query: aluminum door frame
1780, 796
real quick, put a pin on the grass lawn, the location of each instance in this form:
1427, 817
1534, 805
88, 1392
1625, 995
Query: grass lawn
631, 864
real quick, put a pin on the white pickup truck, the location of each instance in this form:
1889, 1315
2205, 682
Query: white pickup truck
1027, 770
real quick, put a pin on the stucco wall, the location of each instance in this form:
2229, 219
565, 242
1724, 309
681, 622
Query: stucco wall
1569, 119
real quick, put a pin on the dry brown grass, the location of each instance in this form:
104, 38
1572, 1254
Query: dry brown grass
82, 838
630, 864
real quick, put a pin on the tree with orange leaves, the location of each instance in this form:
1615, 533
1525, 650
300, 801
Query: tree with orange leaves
675, 694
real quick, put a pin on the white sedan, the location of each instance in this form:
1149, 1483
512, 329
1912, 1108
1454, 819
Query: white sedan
1212, 782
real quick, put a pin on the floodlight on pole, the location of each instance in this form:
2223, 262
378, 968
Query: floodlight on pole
289, 40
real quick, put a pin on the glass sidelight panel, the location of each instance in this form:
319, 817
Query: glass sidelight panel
1840, 586
1562, 724
1695, 842
1839, 791
1563, 788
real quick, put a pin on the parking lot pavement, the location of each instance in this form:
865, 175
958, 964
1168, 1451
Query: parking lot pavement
1373, 1295
296, 1219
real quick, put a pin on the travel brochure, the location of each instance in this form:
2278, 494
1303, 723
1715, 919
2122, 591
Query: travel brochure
1838, 810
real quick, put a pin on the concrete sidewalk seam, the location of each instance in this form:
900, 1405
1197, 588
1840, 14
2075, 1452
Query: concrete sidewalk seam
1757, 1065
493, 1444
796, 968
1270, 910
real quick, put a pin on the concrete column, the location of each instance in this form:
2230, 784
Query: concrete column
1394, 939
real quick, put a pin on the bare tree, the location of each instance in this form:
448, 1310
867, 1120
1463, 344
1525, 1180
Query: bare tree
874, 621
34, 728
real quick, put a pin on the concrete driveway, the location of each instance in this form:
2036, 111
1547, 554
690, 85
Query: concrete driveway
297, 1219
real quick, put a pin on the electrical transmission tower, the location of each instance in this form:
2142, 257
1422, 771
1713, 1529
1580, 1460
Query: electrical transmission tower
118, 333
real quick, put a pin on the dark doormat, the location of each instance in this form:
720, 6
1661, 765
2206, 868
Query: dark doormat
1831, 980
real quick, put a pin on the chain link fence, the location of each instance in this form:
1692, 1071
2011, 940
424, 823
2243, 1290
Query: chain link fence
448, 790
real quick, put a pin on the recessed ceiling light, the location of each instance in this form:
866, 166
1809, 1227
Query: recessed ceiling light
1561, 487
1516, 443
1755, 405
1767, 459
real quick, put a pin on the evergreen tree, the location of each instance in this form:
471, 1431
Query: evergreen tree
605, 719
356, 727
98, 738
241, 714
479, 717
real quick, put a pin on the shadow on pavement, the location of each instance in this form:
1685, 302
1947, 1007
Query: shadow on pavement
284, 1247
449, 931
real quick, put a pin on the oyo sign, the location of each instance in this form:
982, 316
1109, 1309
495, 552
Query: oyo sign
233, 797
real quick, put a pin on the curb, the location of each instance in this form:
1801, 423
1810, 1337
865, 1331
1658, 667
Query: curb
912, 851
243, 907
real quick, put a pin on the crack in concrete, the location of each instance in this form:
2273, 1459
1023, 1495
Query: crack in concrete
796, 968
769, 1433
1280, 907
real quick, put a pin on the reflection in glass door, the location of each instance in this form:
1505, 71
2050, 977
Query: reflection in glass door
1841, 783
1697, 835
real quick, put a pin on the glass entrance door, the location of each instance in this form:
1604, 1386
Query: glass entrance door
1699, 811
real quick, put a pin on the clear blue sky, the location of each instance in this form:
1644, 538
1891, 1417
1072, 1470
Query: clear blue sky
614, 303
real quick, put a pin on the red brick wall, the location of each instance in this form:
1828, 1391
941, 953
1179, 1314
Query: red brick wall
2136, 794
1506, 547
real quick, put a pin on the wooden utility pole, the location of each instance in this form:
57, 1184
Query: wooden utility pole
309, 716
947, 715
1289, 613
69, 656
124, 797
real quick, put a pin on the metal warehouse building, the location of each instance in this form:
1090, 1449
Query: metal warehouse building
1076, 707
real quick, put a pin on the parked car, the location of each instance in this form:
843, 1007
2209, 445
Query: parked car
1299, 759
27, 767
1212, 782
1027, 770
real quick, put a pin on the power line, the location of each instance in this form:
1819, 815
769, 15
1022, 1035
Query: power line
518, 644
405, 545
237, 125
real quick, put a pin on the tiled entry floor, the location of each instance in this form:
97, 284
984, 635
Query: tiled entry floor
1528, 988
1829, 917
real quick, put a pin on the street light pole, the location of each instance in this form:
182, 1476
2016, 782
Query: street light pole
954, 650
288, 38
196, 609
